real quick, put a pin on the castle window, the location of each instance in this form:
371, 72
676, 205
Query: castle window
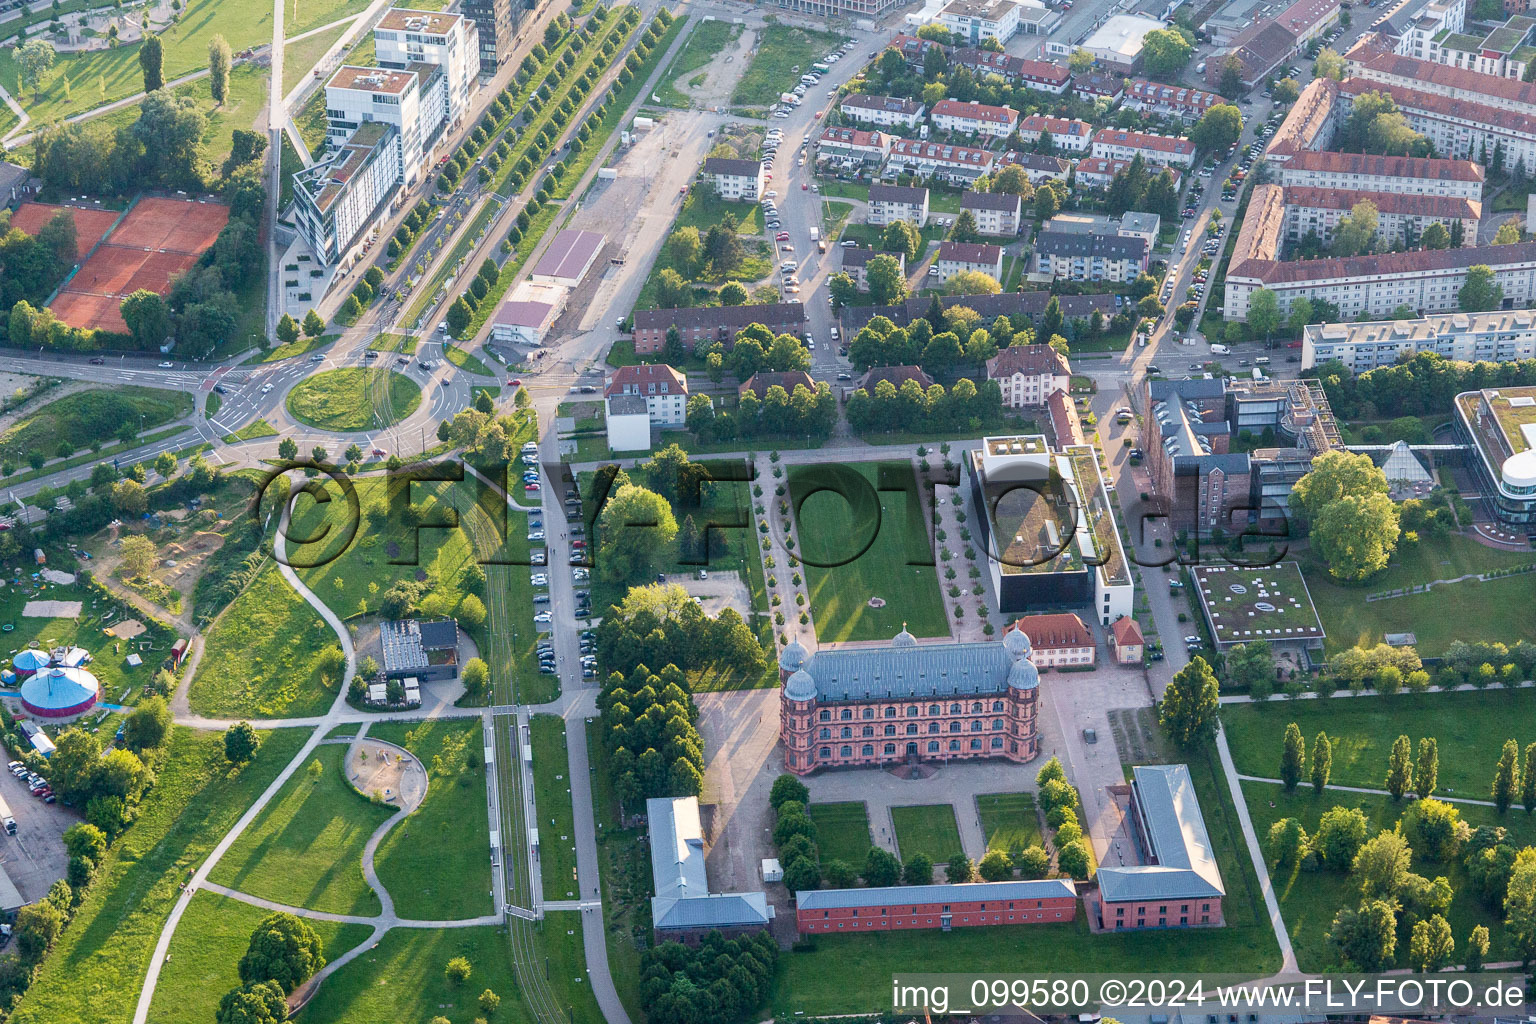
933, 709
933, 746
997, 743
911, 728
890, 712
826, 752
826, 734
826, 716
976, 708
847, 751
975, 725
847, 733
912, 711
975, 744
869, 713
997, 723
954, 726
846, 714
890, 730
954, 744
997, 705
954, 709
890, 748
869, 750
868, 730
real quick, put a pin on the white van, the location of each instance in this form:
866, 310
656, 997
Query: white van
1220, 350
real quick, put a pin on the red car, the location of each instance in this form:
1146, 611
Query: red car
530, 487
515, 382
804, 186
380, 453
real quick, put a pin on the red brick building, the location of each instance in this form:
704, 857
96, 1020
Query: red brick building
906, 907
703, 324
1177, 883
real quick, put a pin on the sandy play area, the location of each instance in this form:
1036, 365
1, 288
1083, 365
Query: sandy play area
51, 610
390, 772
127, 629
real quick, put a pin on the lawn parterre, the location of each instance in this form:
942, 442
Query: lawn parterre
929, 829
842, 832
343, 400
1468, 726
96, 969
305, 849
263, 657
780, 48
429, 878
831, 530
1009, 820
552, 797
205, 954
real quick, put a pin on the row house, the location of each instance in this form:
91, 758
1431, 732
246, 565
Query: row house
1504, 52
974, 118
1028, 375
736, 179
1038, 167
1090, 256
1501, 337
1159, 150
1098, 172
890, 203
998, 214
1068, 135
704, 324
1399, 215
886, 111
1175, 100
942, 907
856, 259
913, 49
1368, 172
1032, 74
979, 256
853, 146
1460, 129
1309, 125
956, 165
1099, 84
1386, 68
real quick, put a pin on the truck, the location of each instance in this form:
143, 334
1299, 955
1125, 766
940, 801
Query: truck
815, 234
6, 818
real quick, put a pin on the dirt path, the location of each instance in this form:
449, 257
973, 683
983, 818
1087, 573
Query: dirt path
720, 74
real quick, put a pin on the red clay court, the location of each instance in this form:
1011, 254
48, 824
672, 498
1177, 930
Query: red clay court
90, 225
158, 239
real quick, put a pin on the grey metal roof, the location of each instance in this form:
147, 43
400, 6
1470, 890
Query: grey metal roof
439, 634
1174, 830
919, 895
683, 899
1068, 243
1005, 201
627, 405
928, 670
401, 643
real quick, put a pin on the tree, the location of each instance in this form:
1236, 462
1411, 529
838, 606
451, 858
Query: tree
283, 949
240, 743
1322, 762
996, 866
149, 724
139, 556
151, 61
1477, 950
965, 229
1286, 843
1230, 77
1165, 51
787, 787
1365, 940
1339, 836
314, 325
1335, 475
489, 1002
457, 971
1329, 64
881, 868
218, 69
633, 526
1380, 867
35, 57
733, 293
1219, 128
1431, 947
1292, 758
1508, 234
1074, 859
1285, 91
900, 236
838, 874
1356, 231
1079, 61
1033, 862
1520, 906
1434, 829
1426, 773
476, 675
1047, 205
1528, 780
1399, 768
1190, 705
1263, 312
972, 282
459, 316
262, 1003
887, 284
287, 327
1506, 777
1481, 292
959, 869
802, 875
918, 870
1435, 237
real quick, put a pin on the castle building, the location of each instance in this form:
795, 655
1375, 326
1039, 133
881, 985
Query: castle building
878, 706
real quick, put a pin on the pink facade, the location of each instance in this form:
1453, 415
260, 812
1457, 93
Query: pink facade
1164, 913
907, 916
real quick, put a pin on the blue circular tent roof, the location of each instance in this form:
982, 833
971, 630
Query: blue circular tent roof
30, 660
59, 691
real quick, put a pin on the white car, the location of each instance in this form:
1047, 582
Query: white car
543, 617
580, 575
772, 194
166, 365
534, 535
539, 580
265, 388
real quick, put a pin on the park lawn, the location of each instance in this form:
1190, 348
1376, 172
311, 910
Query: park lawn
1309, 900
431, 879
709, 40
559, 938
401, 979
844, 190
1469, 727
300, 58
926, 828
212, 403
98, 964
344, 399
1470, 611
205, 953
552, 796
624, 865
120, 683
353, 579
303, 347
252, 431
464, 361
305, 849
842, 832
405, 344
312, 14
262, 658
91, 417
833, 216
704, 211
779, 50
863, 556
1009, 820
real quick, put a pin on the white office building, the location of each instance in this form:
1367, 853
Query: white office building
344, 193
404, 37
414, 100
1499, 337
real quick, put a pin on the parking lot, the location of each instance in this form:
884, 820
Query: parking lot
720, 591
34, 857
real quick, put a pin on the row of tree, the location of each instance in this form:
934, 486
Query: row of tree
650, 730
1353, 524
755, 348
1422, 384
967, 405
779, 413
719, 980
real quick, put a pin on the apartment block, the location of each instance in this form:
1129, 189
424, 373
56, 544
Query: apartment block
1158, 150
414, 100
974, 118
1068, 135
885, 111
957, 165
1400, 216
344, 193
997, 213
1459, 128
851, 146
975, 20
495, 22
980, 256
1033, 74
1029, 374
736, 179
1090, 256
404, 37
890, 203
1500, 337
664, 389
1365, 172
1173, 100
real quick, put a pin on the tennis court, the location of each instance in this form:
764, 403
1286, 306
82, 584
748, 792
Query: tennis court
177, 225
86, 311
90, 225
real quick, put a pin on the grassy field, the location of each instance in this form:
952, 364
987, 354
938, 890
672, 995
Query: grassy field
401, 979
1009, 820
780, 49
97, 967
1469, 727
342, 399
464, 361
1468, 611
311, 122
842, 832
402, 343
90, 417
928, 828
1309, 901
118, 679
430, 878
703, 212
206, 949
300, 58
306, 847
709, 40
302, 347
552, 797
252, 431
262, 658
881, 546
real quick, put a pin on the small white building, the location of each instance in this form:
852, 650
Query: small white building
1068, 134
974, 118
997, 214
890, 203
529, 312
957, 256
975, 20
629, 424
1029, 374
886, 111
